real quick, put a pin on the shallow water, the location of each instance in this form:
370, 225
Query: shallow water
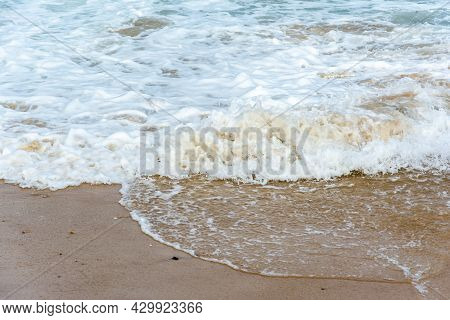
381, 228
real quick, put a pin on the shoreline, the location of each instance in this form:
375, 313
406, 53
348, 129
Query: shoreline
80, 243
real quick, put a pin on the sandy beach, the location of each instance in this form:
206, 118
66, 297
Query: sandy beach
80, 243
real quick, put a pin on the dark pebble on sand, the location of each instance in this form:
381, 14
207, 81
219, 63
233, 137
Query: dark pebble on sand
175, 258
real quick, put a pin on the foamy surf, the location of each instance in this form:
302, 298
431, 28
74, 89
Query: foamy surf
382, 104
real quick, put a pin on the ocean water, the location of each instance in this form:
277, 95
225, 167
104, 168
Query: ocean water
367, 81
79, 78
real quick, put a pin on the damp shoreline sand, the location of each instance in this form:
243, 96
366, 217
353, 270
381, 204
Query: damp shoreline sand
79, 243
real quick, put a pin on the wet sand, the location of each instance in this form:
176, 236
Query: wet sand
79, 243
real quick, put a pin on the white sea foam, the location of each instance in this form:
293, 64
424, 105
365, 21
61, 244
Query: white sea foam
65, 120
